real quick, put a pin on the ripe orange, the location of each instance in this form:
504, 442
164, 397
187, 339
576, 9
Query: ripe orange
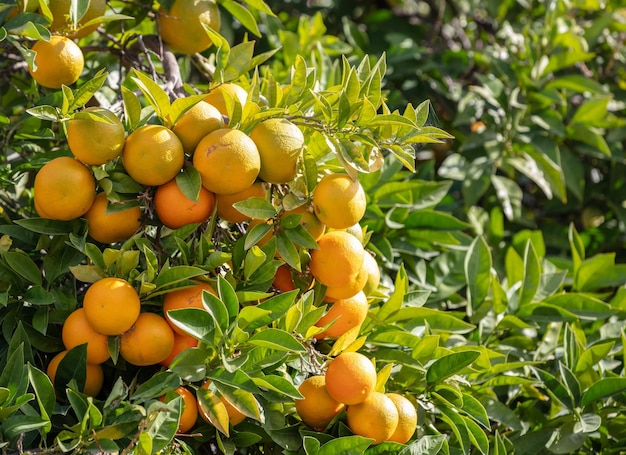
318, 408
175, 210
189, 413
182, 28
338, 260
339, 201
58, 62
189, 297
64, 189
196, 123
407, 419
235, 416
373, 273
95, 136
349, 290
225, 209
60, 10
283, 281
309, 221
280, 144
114, 226
347, 314
350, 378
94, 374
111, 306
77, 330
148, 342
227, 160
216, 96
181, 343
376, 417
153, 155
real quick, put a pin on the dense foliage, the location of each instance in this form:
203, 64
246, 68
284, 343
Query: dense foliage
501, 245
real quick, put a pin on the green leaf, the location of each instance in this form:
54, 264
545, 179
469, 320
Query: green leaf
276, 339
602, 389
195, 322
346, 445
190, 183
132, 108
532, 275
477, 273
449, 365
433, 219
24, 266
155, 95
177, 274
228, 296
45, 226
86, 91
216, 308
256, 207
591, 111
49, 113
242, 14
156, 386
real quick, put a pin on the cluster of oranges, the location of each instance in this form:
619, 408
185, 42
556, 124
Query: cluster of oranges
350, 384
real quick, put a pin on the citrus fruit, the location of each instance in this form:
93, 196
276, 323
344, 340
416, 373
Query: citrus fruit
350, 378
58, 62
317, 409
153, 155
114, 226
376, 417
235, 416
189, 413
111, 306
64, 189
283, 281
373, 273
339, 201
280, 144
61, 23
217, 96
348, 290
77, 330
95, 136
196, 123
338, 260
94, 376
346, 314
309, 221
182, 342
227, 160
356, 230
225, 209
148, 342
407, 419
176, 210
182, 27
189, 297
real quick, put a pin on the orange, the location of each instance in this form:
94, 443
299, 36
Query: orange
235, 416
355, 286
318, 408
60, 10
111, 227
339, 201
356, 230
64, 189
338, 260
350, 378
225, 209
176, 210
153, 155
189, 297
217, 96
407, 419
58, 62
148, 342
189, 413
280, 144
111, 306
283, 281
376, 417
182, 27
227, 160
196, 123
309, 221
347, 314
181, 343
95, 136
77, 330
94, 377
373, 273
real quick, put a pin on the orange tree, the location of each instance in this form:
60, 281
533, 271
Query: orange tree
202, 252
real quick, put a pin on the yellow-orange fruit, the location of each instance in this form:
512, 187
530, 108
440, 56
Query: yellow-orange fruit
350, 378
376, 417
111, 227
58, 62
77, 330
176, 210
111, 306
317, 409
148, 342
346, 314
